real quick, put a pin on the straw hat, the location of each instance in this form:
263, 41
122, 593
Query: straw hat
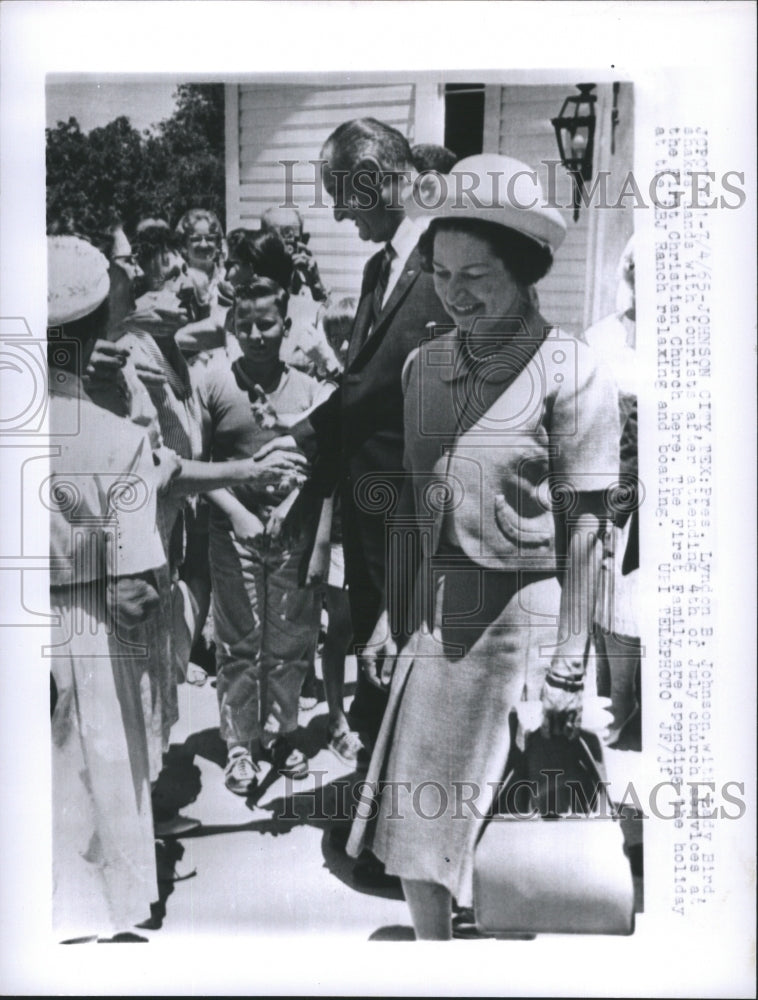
77, 279
491, 188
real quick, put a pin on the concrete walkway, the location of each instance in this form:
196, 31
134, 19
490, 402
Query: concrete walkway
270, 865
267, 865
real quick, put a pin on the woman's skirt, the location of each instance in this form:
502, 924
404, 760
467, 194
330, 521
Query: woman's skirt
446, 734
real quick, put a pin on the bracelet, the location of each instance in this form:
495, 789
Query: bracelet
565, 683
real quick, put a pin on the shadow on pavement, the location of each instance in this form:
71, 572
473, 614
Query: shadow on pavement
394, 932
178, 783
168, 853
326, 805
206, 744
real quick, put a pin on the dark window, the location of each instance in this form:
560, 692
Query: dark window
464, 118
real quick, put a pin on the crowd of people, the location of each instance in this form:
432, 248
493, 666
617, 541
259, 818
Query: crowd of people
234, 425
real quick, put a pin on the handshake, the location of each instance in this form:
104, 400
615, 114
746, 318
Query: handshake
277, 467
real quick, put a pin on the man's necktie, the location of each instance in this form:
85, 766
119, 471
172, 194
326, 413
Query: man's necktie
383, 277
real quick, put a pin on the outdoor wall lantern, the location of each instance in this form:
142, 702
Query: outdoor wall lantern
575, 132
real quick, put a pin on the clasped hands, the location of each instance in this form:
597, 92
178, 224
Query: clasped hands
279, 468
249, 529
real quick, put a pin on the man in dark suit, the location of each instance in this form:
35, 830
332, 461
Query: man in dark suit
368, 168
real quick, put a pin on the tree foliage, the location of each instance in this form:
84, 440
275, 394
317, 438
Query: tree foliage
115, 173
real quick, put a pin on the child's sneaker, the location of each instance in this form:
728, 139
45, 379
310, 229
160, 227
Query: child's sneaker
240, 774
347, 746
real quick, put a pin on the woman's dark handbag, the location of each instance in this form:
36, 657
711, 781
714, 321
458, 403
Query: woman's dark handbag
547, 868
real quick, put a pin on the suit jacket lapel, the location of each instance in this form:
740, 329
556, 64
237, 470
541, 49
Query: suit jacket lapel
362, 345
403, 286
363, 313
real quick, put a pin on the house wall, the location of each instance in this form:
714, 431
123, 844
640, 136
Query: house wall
613, 226
581, 285
268, 123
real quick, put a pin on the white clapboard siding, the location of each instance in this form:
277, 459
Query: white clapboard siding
520, 127
346, 96
275, 123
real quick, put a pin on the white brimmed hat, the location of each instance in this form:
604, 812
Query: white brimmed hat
491, 188
77, 279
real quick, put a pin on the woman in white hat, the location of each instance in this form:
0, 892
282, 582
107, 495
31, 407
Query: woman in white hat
510, 425
105, 553
107, 560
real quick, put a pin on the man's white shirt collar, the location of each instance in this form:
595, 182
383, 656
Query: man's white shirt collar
403, 243
405, 239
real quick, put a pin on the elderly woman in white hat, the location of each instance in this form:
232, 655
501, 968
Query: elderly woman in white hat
107, 563
510, 425
105, 552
